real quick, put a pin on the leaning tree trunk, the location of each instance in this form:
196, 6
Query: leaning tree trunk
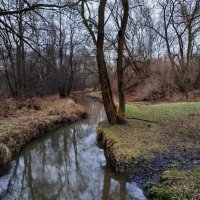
120, 68
103, 73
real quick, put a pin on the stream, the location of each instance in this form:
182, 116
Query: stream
67, 164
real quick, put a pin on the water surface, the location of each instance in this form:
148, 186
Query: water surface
67, 164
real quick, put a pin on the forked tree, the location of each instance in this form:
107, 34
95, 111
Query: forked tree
113, 115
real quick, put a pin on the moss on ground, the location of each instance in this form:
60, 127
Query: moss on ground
161, 137
177, 184
21, 121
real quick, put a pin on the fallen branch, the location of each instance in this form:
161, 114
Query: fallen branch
193, 115
143, 120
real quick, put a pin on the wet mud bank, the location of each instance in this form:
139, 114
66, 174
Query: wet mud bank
116, 161
165, 176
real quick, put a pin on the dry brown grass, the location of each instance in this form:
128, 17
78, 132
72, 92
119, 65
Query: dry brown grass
21, 121
96, 95
5, 155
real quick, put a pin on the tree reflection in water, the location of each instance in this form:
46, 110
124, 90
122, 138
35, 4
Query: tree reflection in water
66, 164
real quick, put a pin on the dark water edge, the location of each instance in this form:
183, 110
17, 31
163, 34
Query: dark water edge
67, 164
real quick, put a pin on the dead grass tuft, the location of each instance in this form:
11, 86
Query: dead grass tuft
5, 155
96, 95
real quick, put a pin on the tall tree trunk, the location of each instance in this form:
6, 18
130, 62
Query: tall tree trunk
9, 81
120, 68
62, 91
103, 74
70, 83
71, 62
21, 52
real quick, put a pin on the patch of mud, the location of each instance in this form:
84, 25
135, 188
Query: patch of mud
177, 159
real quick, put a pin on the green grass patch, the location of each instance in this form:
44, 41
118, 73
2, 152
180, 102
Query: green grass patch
178, 184
163, 112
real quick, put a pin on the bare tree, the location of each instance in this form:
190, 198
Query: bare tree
113, 116
179, 31
120, 65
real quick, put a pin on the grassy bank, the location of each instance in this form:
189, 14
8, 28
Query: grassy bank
161, 145
21, 121
96, 95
